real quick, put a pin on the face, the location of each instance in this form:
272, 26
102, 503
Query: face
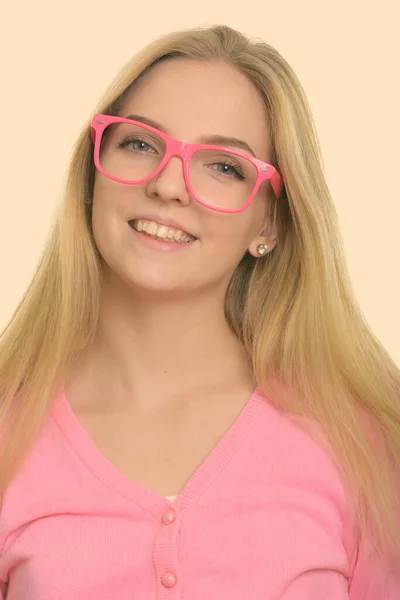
190, 100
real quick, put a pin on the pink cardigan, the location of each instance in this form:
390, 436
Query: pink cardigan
263, 518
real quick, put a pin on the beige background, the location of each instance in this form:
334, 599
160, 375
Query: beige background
57, 59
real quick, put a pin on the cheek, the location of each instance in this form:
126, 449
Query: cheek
226, 240
237, 231
105, 195
111, 195
106, 217
110, 203
258, 215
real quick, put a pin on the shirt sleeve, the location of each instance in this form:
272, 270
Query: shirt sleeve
373, 580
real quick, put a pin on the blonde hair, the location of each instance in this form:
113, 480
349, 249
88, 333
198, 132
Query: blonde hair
294, 310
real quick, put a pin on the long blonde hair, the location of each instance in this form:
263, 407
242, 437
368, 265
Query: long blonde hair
294, 311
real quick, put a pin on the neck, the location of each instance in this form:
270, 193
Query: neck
150, 350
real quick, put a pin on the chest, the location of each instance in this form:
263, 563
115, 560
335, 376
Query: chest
159, 452
236, 545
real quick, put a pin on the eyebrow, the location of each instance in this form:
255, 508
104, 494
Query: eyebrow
212, 140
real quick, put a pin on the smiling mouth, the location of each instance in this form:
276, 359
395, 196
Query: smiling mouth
161, 232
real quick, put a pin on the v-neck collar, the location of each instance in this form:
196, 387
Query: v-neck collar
204, 476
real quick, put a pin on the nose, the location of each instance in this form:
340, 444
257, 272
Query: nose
169, 184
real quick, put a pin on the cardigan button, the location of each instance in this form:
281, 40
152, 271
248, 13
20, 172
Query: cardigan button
168, 517
168, 580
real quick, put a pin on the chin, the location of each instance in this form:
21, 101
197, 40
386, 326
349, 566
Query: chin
159, 284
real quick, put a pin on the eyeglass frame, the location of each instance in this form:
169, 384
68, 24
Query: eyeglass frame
185, 150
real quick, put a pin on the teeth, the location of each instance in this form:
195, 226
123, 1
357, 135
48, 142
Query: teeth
162, 231
151, 228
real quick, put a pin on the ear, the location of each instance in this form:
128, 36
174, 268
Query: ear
268, 236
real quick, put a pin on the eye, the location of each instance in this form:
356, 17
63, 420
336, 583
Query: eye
137, 145
229, 169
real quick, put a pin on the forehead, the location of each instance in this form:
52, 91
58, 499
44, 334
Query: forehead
191, 99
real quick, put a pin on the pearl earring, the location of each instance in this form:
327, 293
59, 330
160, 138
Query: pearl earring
262, 249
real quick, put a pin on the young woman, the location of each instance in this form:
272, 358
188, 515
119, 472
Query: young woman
192, 404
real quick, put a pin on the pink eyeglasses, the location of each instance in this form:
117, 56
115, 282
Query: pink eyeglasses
219, 178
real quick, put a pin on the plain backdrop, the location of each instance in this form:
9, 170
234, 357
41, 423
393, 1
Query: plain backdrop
57, 58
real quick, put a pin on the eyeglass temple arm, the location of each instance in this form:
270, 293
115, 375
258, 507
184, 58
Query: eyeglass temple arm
277, 183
